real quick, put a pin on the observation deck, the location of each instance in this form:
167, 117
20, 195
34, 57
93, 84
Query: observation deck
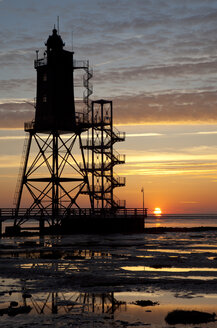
82, 123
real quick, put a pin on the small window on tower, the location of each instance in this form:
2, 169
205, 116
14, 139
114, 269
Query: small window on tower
44, 99
45, 77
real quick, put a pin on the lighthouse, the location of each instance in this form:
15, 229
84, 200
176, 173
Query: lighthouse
55, 107
67, 167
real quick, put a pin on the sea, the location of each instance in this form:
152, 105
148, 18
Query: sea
160, 278
181, 220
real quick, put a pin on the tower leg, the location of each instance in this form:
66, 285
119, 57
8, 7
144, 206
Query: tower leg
55, 184
21, 181
53, 177
41, 226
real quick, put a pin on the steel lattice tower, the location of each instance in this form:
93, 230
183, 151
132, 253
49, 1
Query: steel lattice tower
54, 177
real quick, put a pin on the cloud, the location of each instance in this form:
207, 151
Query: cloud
206, 132
177, 107
144, 45
13, 113
172, 168
12, 138
130, 135
9, 161
160, 162
189, 202
13, 85
138, 73
13, 57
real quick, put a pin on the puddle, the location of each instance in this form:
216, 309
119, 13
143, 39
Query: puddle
204, 278
146, 256
98, 309
211, 258
167, 250
167, 269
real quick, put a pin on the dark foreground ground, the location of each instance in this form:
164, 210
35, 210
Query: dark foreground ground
100, 281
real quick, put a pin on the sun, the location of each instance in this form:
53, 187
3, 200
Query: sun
157, 211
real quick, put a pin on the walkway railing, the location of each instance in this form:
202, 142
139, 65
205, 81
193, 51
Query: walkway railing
12, 213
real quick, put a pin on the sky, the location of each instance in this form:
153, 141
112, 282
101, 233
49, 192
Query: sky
157, 61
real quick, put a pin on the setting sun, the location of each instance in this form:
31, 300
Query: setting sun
157, 211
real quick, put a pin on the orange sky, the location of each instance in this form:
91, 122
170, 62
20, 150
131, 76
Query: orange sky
156, 60
176, 165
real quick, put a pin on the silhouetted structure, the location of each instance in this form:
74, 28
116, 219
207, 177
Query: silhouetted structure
55, 108
68, 158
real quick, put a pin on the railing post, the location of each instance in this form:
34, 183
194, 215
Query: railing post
0, 222
41, 222
145, 216
41, 226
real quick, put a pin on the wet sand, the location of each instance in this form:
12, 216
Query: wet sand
93, 281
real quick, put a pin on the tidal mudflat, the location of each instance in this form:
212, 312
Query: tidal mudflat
107, 281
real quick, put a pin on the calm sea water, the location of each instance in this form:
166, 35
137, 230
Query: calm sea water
182, 220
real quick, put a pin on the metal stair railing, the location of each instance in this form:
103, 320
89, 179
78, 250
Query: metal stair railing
116, 180
88, 86
116, 202
116, 158
116, 134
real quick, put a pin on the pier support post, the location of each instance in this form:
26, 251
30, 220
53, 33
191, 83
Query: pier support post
41, 226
